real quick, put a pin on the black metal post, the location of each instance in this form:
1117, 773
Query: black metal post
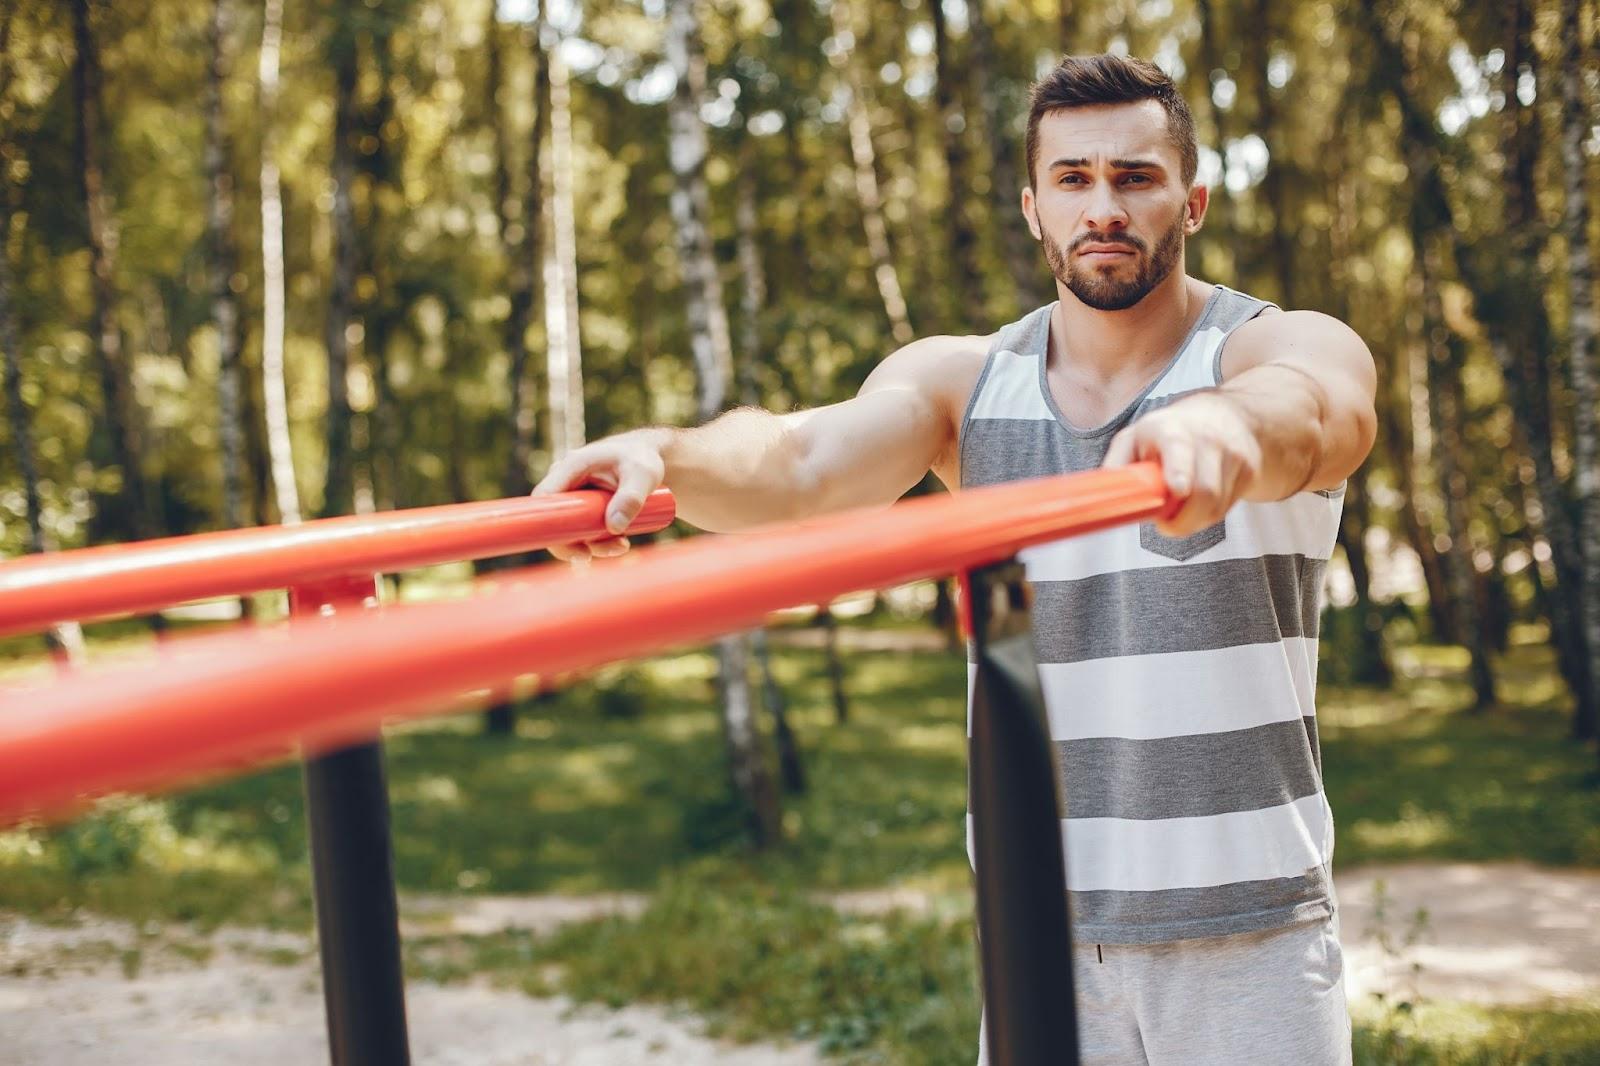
352, 865
1024, 931
358, 921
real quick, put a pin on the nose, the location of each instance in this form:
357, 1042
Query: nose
1104, 211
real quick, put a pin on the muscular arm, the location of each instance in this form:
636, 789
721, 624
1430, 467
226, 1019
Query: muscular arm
750, 466
1294, 412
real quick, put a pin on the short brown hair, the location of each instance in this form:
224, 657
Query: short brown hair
1082, 81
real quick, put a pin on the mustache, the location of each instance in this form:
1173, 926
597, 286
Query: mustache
1107, 238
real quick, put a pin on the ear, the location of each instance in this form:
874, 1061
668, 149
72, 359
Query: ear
1194, 209
1030, 211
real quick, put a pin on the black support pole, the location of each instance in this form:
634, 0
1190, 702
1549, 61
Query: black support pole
358, 922
1024, 932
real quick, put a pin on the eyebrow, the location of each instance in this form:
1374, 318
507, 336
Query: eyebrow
1118, 164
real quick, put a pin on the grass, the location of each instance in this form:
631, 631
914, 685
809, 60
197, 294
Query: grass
618, 784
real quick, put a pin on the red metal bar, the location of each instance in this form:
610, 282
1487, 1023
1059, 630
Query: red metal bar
329, 681
40, 590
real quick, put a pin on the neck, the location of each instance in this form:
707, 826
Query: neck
1113, 345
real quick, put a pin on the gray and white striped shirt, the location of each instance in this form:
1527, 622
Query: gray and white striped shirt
1179, 674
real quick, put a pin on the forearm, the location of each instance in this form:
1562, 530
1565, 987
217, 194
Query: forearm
1311, 434
741, 469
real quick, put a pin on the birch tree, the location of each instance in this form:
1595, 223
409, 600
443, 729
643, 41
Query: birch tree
752, 299
561, 269
274, 394
713, 358
521, 229
864, 157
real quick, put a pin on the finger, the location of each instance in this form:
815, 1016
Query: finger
1204, 504
561, 476
1207, 492
1121, 451
1177, 465
609, 548
636, 482
568, 552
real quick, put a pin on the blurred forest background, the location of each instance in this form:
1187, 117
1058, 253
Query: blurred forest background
267, 261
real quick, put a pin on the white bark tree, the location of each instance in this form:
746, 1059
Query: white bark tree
273, 391
864, 156
713, 357
564, 347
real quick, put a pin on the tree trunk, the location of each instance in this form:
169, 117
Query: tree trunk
713, 357
273, 393
116, 375
1372, 665
1024, 262
834, 663
743, 741
339, 484
752, 279
523, 261
966, 277
1584, 357
1280, 237
864, 157
521, 243
1499, 302
1445, 410
1066, 26
752, 298
64, 641
791, 769
561, 270
224, 309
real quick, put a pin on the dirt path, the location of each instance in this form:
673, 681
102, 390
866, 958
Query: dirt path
105, 991
245, 998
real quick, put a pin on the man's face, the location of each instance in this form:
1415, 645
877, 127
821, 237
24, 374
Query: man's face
1109, 203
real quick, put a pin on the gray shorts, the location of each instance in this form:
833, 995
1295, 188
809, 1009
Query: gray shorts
1256, 999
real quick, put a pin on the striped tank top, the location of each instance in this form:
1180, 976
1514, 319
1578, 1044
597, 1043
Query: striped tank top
1178, 673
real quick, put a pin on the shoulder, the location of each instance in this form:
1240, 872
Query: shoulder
941, 372
1276, 335
943, 368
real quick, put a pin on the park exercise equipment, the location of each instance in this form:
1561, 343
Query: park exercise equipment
330, 680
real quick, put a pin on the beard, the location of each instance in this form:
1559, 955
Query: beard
1103, 292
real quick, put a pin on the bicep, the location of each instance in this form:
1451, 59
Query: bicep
874, 447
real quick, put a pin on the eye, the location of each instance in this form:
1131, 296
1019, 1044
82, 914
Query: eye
1139, 179
1072, 179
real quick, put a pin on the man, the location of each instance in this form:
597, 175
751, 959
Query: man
1178, 659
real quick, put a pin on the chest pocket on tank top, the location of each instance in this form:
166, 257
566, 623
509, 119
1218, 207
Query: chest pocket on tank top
1181, 549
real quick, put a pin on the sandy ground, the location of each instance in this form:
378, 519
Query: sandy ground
66, 1000
1493, 934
